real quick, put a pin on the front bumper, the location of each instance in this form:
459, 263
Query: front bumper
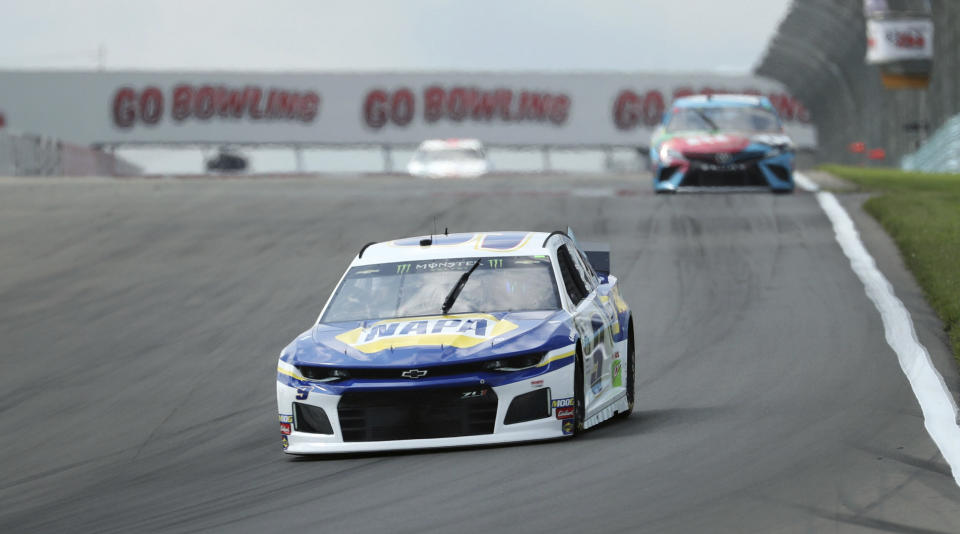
774, 173
556, 379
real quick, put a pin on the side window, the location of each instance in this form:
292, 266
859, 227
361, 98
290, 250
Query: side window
589, 274
586, 276
572, 280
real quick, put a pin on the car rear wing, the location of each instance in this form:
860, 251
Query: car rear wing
598, 254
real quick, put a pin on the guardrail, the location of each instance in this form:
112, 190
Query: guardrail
941, 153
33, 155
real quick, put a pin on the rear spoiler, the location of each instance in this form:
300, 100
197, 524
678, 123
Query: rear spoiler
598, 254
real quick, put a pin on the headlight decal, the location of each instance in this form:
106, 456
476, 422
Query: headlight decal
286, 369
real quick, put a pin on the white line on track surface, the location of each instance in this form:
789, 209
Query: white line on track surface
805, 183
936, 402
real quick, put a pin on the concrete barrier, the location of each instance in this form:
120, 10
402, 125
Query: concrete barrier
32, 155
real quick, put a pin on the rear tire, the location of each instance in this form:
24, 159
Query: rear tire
631, 371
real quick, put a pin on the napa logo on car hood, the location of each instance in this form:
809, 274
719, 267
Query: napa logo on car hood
460, 331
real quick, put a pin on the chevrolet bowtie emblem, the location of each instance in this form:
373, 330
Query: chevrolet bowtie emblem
414, 373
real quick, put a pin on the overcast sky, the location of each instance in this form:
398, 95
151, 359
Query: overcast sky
714, 35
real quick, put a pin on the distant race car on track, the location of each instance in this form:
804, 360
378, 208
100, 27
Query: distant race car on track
721, 141
460, 339
449, 158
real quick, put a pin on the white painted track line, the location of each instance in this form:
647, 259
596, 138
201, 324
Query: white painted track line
801, 181
938, 406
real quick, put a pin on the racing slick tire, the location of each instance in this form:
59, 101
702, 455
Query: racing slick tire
631, 372
579, 398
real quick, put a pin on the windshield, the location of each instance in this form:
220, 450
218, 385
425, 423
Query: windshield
738, 119
449, 154
410, 289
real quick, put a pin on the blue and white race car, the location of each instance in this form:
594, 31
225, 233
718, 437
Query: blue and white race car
721, 141
460, 339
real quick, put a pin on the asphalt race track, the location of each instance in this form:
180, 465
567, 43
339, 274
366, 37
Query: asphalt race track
141, 321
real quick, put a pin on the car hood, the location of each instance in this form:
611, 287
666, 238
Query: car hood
703, 143
424, 341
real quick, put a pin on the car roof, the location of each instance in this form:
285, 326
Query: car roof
722, 101
461, 245
448, 144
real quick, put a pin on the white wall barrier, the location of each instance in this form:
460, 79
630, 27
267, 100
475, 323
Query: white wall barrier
32, 155
522, 109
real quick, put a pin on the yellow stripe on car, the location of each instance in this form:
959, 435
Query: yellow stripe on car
283, 371
556, 357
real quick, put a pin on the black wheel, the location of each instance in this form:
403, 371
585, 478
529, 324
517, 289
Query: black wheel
579, 404
631, 370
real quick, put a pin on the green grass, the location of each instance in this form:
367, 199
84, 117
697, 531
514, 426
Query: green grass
922, 213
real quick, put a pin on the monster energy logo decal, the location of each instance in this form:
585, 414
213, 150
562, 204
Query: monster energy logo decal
450, 264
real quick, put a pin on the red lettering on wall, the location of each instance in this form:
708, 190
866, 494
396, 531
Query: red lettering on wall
128, 106
182, 97
309, 106
203, 106
560, 109
457, 104
653, 106
207, 102
375, 109
503, 98
432, 104
231, 102
151, 105
631, 110
462, 104
124, 107
402, 107
485, 106
253, 103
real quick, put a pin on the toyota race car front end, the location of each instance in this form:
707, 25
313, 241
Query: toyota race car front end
724, 160
721, 141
